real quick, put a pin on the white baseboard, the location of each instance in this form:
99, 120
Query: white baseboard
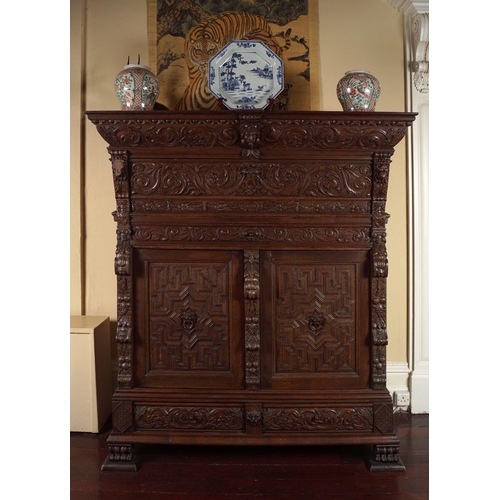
398, 375
419, 386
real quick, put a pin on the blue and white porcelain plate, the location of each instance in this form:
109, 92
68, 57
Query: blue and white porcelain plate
246, 74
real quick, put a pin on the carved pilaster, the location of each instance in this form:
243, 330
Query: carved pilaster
381, 163
252, 333
123, 267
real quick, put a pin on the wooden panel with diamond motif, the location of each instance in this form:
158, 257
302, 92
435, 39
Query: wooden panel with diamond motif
193, 325
315, 310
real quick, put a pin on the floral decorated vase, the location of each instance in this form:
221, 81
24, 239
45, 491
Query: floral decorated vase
137, 88
358, 90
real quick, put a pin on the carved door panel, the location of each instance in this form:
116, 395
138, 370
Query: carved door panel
315, 319
189, 318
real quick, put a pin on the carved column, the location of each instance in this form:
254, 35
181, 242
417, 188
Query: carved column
416, 31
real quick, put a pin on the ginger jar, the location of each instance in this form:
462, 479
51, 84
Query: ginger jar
358, 90
137, 87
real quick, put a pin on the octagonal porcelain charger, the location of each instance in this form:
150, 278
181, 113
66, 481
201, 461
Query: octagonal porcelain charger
245, 74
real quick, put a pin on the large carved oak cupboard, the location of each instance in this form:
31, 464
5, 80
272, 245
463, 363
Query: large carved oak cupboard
251, 266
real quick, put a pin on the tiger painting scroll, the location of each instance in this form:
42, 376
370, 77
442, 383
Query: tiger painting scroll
185, 34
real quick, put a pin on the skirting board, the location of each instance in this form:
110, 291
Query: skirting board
398, 377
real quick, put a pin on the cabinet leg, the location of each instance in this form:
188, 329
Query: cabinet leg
120, 457
385, 459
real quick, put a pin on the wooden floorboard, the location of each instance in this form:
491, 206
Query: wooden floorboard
274, 473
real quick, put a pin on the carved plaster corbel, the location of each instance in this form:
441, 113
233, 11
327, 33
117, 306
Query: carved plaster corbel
417, 12
420, 63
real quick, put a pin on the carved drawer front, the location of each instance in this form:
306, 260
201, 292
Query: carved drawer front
327, 186
315, 328
189, 418
317, 419
189, 318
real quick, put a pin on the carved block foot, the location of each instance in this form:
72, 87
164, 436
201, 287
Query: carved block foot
120, 458
385, 459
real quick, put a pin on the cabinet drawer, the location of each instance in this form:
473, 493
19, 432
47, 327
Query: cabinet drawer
189, 418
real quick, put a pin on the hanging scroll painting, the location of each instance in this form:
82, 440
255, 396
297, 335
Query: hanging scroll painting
185, 34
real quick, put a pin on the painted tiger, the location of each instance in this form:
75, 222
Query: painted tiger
205, 39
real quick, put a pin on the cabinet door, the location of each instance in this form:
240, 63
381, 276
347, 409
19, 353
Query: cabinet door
315, 319
188, 318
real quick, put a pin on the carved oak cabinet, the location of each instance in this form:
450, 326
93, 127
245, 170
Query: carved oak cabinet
251, 266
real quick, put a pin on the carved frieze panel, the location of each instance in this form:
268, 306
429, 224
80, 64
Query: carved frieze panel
254, 205
332, 134
252, 134
317, 419
234, 179
189, 316
168, 133
245, 233
189, 418
315, 318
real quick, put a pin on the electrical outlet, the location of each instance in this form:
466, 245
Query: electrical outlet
401, 398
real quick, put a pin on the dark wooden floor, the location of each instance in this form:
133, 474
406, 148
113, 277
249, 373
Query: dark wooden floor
276, 473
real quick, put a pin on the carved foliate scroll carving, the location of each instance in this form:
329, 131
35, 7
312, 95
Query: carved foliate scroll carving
315, 179
317, 419
168, 133
245, 233
251, 132
188, 418
252, 315
242, 206
123, 266
333, 134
